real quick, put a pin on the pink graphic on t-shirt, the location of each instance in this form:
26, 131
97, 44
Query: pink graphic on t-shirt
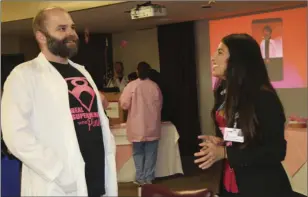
81, 85
90, 118
85, 118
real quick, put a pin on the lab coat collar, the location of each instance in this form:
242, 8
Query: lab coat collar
44, 62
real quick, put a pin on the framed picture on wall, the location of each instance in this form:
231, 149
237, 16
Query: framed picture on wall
268, 32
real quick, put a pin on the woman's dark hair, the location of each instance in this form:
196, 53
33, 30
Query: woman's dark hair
132, 76
154, 75
246, 75
143, 70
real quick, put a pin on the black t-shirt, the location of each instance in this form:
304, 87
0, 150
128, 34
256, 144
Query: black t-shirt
84, 109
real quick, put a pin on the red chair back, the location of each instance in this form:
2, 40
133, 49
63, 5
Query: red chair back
161, 191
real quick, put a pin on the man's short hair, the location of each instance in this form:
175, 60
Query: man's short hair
39, 21
267, 28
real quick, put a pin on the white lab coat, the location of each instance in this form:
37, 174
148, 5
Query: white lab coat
117, 83
38, 129
275, 48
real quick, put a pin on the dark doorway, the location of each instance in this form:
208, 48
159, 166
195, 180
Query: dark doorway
8, 63
178, 73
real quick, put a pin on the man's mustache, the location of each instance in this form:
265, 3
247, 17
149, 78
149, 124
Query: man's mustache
70, 39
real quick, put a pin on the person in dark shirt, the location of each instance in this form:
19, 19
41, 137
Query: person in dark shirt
84, 111
249, 120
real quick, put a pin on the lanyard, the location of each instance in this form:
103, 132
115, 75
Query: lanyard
236, 115
221, 106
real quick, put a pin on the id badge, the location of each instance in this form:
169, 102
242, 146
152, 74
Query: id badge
233, 135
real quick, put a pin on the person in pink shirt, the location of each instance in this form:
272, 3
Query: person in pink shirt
143, 100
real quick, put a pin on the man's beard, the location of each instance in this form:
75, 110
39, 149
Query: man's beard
60, 47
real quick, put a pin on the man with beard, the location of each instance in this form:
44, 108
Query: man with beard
53, 119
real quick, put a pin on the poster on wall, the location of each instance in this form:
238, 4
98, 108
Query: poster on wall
268, 32
282, 36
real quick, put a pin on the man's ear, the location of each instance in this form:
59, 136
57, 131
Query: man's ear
40, 37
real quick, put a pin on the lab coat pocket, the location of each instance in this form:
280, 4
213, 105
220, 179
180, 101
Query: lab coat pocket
55, 190
66, 180
39, 186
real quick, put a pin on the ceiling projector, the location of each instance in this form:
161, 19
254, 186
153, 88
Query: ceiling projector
148, 11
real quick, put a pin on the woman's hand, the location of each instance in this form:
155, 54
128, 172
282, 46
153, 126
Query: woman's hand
213, 139
209, 154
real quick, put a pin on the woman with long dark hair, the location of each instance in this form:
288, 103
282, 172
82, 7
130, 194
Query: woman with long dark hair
249, 121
